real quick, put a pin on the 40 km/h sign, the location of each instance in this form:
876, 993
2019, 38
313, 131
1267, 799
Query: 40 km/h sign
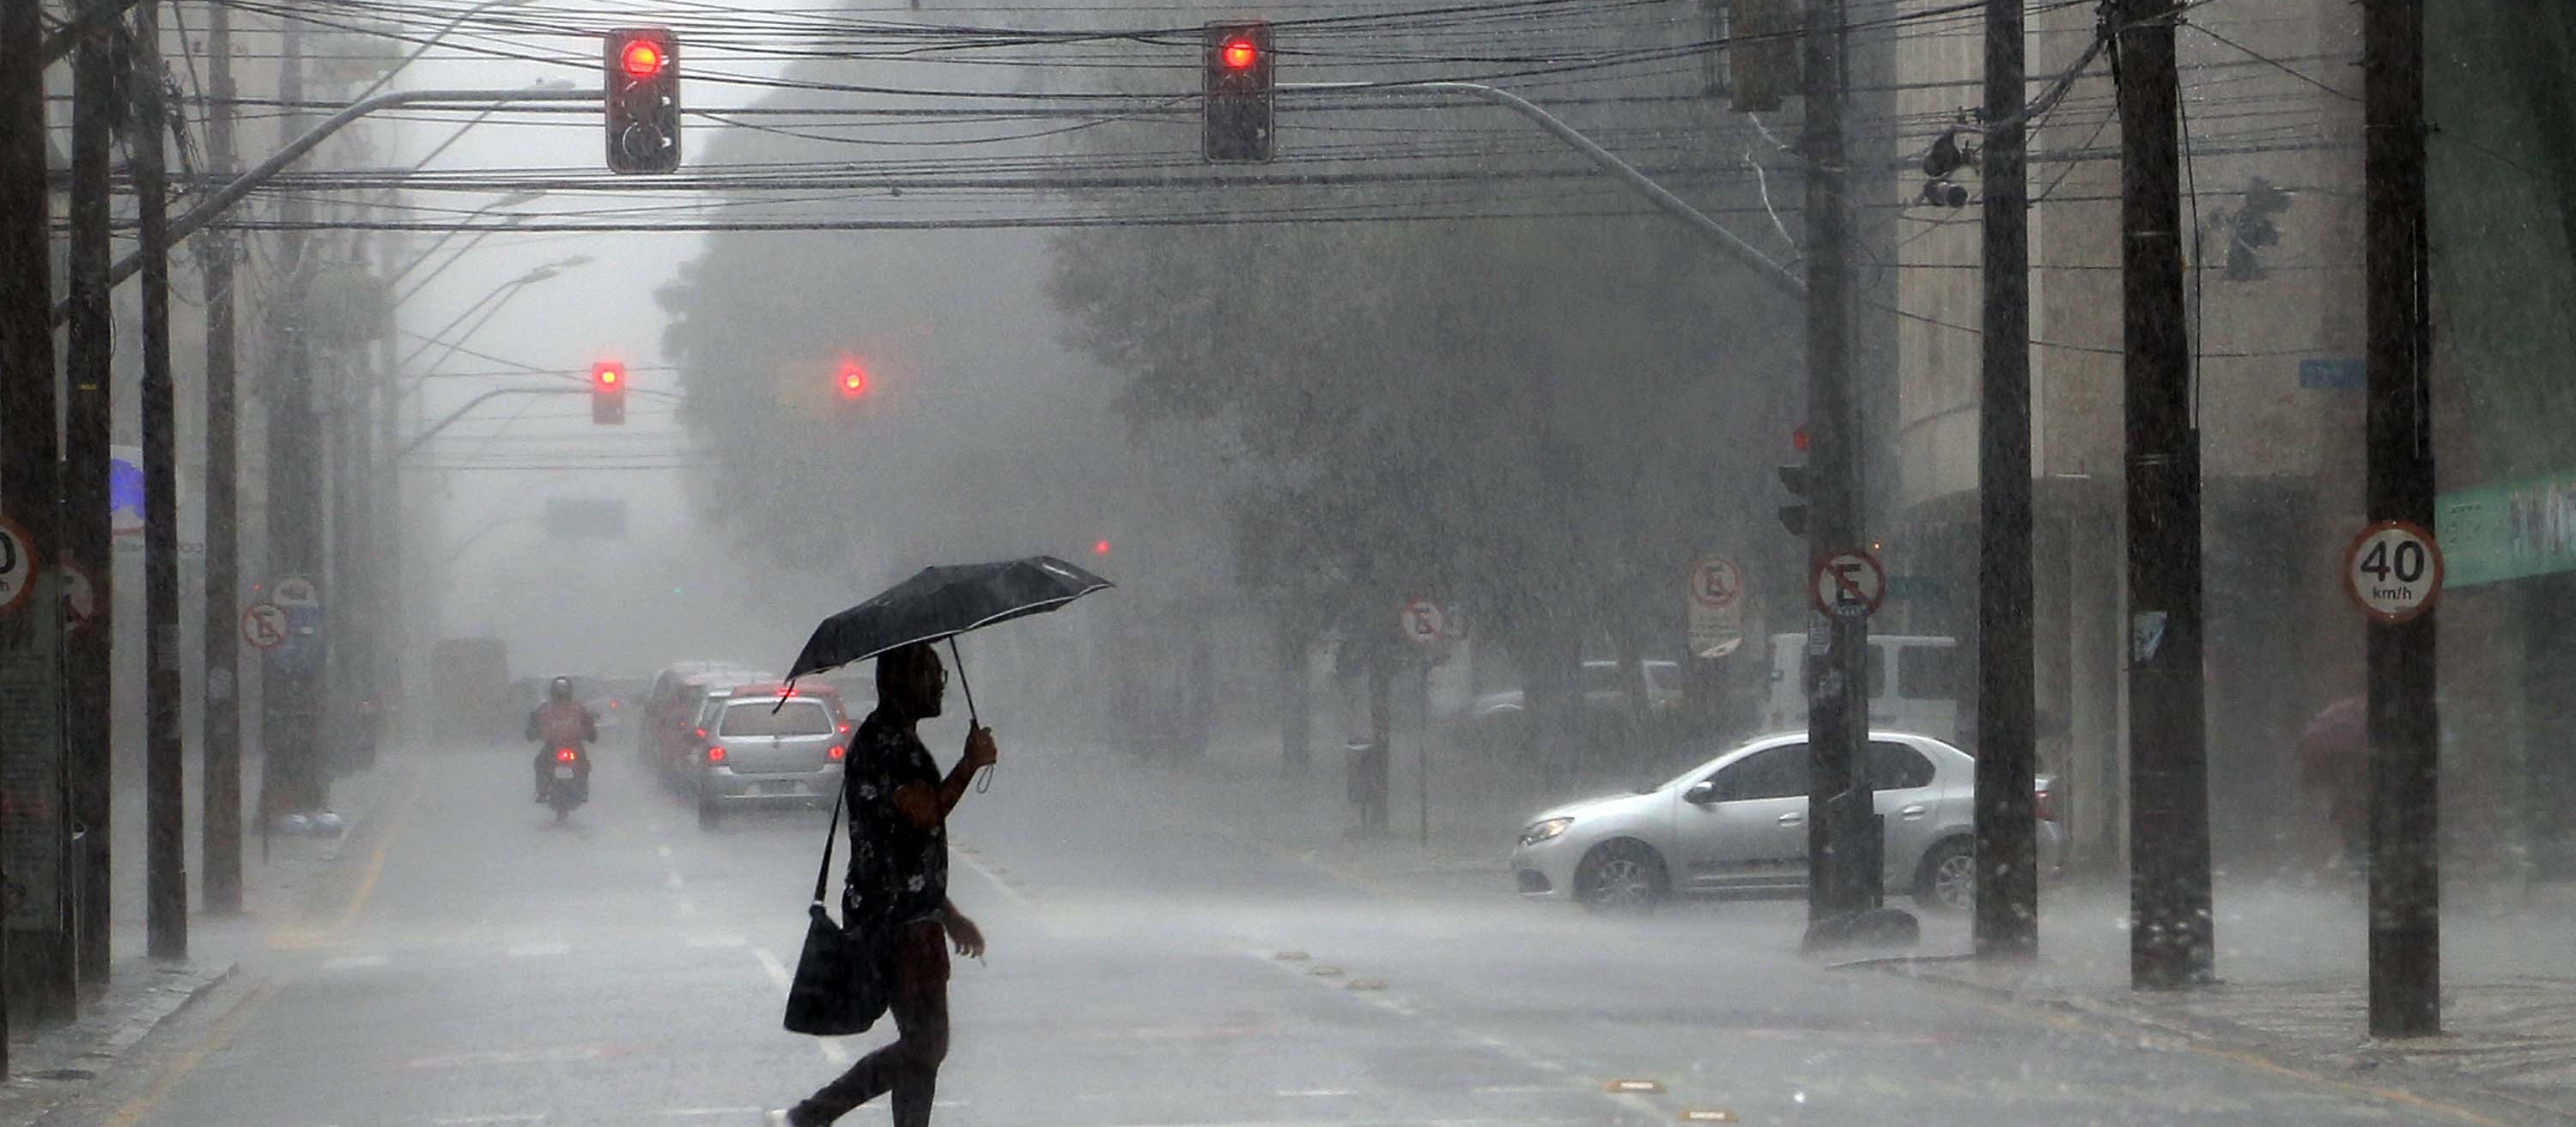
2394, 570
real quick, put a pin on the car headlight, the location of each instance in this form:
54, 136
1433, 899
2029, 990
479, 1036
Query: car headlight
1544, 829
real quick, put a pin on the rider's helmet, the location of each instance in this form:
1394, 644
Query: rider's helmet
559, 689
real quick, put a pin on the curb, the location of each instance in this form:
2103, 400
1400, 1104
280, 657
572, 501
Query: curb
29, 1098
2463, 1098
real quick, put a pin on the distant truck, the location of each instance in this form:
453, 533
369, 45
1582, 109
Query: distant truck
470, 690
1922, 697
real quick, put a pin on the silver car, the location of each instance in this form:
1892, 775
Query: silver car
1736, 827
762, 749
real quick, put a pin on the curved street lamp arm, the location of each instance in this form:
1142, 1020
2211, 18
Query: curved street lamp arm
470, 404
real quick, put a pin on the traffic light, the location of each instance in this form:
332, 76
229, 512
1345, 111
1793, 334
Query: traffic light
643, 65
851, 382
1238, 106
1793, 477
608, 393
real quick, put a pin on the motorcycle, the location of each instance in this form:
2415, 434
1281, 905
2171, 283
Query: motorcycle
569, 783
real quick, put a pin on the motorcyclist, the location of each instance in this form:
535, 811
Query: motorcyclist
560, 722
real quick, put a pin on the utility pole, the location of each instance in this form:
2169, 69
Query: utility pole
2405, 756
2007, 910
1843, 873
90, 346
165, 799
291, 778
222, 711
2171, 940
27, 453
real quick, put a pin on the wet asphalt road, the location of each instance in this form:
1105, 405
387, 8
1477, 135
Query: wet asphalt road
475, 964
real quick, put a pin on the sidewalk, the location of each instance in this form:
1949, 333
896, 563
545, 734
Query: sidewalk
52, 1064
2292, 992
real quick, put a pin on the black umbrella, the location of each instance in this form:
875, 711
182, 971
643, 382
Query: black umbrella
941, 603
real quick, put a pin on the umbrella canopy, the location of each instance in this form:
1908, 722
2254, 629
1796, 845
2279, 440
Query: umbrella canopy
942, 602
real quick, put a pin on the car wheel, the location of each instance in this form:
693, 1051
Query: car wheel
1624, 877
1946, 882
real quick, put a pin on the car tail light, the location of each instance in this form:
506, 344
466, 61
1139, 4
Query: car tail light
566, 755
2044, 802
702, 733
845, 727
837, 753
715, 755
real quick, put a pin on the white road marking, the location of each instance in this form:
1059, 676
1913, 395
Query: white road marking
664, 850
461, 1120
688, 909
672, 879
355, 962
782, 978
1008, 893
538, 950
1314, 1093
702, 942
705, 1112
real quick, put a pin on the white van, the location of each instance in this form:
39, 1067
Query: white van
1922, 696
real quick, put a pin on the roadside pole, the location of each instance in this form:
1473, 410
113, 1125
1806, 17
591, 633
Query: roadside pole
222, 711
1843, 881
2007, 882
89, 356
291, 692
27, 454
165, 800
2171, 938
2405, 747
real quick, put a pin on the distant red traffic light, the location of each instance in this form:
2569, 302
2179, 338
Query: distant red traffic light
643, 59
852, 380
1240, 53
1100, 548
607, 393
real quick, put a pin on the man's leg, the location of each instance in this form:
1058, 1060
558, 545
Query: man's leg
909, 1067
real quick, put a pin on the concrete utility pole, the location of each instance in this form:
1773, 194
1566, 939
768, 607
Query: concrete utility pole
165, 801
222, 712
291, 775
2007, 882
1842, 864
90, 347
27, 453
2171, 938
2405, 749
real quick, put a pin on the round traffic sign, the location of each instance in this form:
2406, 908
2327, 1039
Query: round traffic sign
263, 625
80, 600
1716, 582
297, 591
17, 565
2393, 570
1849, 584
1424, 621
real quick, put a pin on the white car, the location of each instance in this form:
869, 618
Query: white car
1736, 827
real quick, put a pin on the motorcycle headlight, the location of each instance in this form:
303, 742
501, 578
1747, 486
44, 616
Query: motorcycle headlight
1544, 829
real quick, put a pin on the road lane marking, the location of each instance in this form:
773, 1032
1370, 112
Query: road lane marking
375, 869
221, 1035
555, 1055
1013, 895
1315, 1093
664, 851
356, 962
688, 909
672, 880
703, 942
538, 950
466, 1120
779, 976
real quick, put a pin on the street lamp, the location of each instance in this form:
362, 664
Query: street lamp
520, 198
499, 297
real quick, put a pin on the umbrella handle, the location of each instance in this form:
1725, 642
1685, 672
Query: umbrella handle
983, 778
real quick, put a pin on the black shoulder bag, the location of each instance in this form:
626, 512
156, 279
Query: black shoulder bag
840, 985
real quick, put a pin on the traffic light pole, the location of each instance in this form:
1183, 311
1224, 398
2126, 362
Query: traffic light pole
2405, 755
222, 879
2171, 937
89, 346
165, 796
1844, 878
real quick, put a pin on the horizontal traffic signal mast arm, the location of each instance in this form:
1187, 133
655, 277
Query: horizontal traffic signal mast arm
230, 194
1727, 240
432, 430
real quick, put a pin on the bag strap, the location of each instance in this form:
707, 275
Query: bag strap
831, 834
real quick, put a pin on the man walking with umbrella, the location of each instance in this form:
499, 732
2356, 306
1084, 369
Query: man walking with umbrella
898, 887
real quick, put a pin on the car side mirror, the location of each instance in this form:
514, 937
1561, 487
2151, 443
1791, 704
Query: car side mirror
1701, 793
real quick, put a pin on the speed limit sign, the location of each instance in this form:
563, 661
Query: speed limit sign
17, 566
2394, 570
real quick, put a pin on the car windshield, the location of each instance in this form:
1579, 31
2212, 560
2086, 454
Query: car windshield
770, 716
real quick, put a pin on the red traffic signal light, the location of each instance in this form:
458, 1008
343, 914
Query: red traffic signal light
643, 99
1236, 106
1100, 548
1239, 53
852, 381
644, 59
608, 393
